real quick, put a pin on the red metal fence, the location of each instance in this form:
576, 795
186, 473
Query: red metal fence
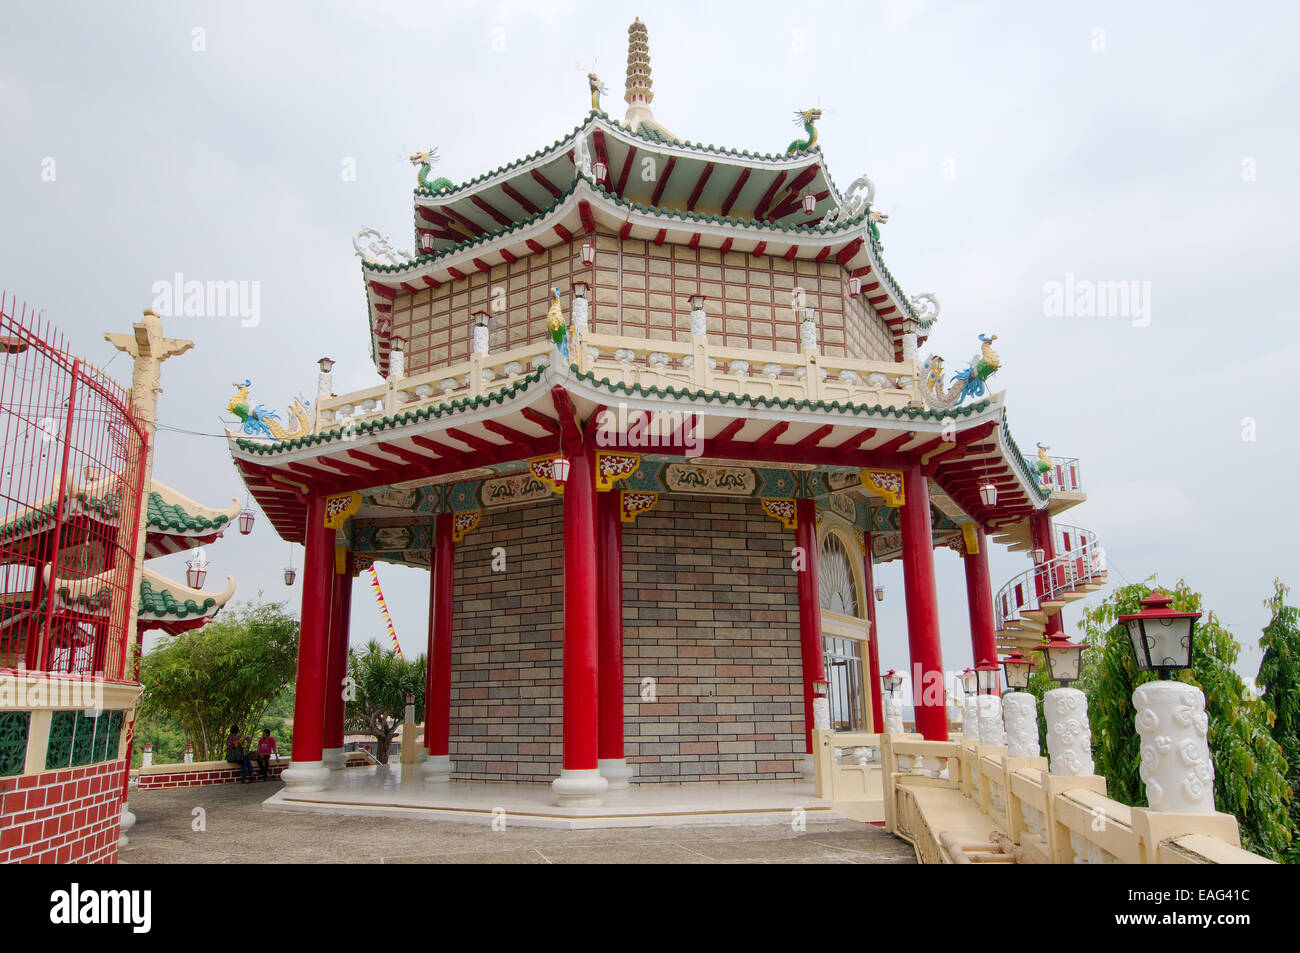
72, 464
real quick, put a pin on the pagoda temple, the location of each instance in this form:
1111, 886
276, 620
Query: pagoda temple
651, 412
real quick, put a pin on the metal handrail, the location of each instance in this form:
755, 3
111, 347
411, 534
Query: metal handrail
1079, 565
1063, 476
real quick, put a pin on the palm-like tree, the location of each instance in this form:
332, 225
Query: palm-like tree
378, 682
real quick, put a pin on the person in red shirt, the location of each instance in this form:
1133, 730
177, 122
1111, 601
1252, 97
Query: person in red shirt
266, 746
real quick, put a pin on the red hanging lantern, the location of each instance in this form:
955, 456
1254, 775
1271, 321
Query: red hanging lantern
989, 494
809, 202
196, 570
855, 286
588, 253
599, 168
246, 516
560, 469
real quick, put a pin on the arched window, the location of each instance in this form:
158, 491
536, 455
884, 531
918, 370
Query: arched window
838, 582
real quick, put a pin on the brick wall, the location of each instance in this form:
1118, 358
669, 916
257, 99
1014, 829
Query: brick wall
709, 613
69, 816
640, 289
182, 778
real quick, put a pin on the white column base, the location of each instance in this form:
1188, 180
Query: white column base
334, 758
127, 822
579, 787
616, 771
304, 777
807, 768
436, 769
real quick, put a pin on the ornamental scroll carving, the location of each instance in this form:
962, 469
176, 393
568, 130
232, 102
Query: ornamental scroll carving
1175, 756
1069, 736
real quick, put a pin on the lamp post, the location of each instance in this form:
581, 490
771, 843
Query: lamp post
699, 323
986, 678
892, 681
1069, 736
821, 705
1171, 719
970, 713
1019, 708
808, 328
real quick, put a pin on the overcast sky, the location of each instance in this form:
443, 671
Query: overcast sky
1012, 144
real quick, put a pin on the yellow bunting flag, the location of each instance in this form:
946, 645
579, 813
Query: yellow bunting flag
383, 610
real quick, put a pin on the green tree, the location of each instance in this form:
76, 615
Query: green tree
378, 682
1278, 678
1249, 766
224, 674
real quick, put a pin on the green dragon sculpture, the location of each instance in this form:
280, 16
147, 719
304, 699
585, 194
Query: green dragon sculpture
806, 118
425, 161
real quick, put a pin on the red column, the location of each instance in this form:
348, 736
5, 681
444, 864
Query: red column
609, 607
1042, 537
873, 641
979, 603
307, 772
580, 780
922, 608
437, 709
811, 647
336, 665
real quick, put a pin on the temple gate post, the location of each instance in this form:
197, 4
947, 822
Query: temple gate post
609, 543
928, 691
979, 599
336, 666
308, 772
437, 707
811, 648
580, 782
873, 637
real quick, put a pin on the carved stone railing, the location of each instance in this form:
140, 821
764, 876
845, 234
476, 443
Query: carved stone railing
1038, 816
683, 365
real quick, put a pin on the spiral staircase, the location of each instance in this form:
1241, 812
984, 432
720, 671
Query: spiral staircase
1027, 601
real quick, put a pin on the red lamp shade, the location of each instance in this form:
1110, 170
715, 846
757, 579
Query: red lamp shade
195, 572
245, 522
855, 286
1063, 659
1038, 554
599, 168
1018, 669
588, 253
809, 202
560, 469
1161, 636
426, 240
969, 683
986, 677
892, 681
989, 494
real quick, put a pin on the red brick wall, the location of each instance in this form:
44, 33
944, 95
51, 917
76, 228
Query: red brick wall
185, 779
709, 614
69, 816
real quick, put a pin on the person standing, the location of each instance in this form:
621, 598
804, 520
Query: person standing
266, 746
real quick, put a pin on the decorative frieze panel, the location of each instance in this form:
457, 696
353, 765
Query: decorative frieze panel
379, 537
632, 503
77, 738
612, 467
14, 726
886, 484
517, 488
722, 481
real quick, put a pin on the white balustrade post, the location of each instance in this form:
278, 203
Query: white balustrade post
1069, 736
188, 757
990, 710
146, 759
970, 718
1175, 753
581, 313
893, 714
479, 338
1020, 715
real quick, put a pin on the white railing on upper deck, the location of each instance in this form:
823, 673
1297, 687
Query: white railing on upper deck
1064, 474
683, 365
1082, 561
